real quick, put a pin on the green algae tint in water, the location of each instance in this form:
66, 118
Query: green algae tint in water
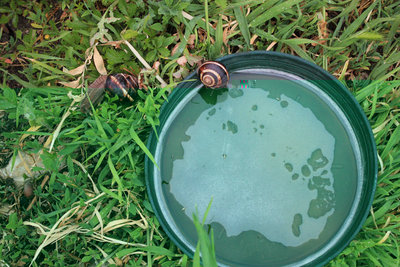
278, 161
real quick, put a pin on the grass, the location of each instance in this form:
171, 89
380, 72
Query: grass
90, 201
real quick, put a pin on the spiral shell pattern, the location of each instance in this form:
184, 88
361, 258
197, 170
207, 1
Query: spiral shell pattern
123, 85
213, 74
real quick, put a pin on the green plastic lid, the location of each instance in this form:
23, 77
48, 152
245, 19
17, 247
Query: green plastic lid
285, 153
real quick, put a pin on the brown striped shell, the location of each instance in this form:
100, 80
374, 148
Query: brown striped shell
213, 74
95, 94
123, 85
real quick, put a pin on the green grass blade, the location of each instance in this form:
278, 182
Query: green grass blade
152, 249
273, 12
394, 140
207, 211
207, 21
217, 48
251, 3
382, 67
136, 138
103, 133
299, 41
351, 7
261, 9
42, 56
352, 28
22, 82
300, 52
373, 105
61, 36
204, 245
115, 177
243, 26
188, 31
368, 90
111, 194
390, 37
196, 257
100, 160
49, 68
373, 36
95, 153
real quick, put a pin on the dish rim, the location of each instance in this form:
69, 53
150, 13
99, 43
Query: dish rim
367, 148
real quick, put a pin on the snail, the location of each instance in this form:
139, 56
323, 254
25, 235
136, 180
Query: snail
213, 74
120, 84
123, 85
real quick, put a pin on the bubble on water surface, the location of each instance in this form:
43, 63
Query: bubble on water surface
284, 104
305, 170
289, 167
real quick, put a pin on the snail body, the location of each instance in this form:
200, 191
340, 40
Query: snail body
123, 85
120, 84
213, 74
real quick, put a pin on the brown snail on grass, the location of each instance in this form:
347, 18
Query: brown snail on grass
123, 85
213, 74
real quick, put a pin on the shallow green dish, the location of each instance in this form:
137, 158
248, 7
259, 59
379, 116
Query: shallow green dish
285, 153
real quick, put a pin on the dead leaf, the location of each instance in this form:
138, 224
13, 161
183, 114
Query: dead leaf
89, 55
126, 259
73, 84
63, 15
234, 27
118, 262
178, 74
76, 71
322, 29
212, 40
271, 45
23, 261
191, 40
182, 61
6, 60
116, 44
156, 65
6, 209
202, 35
23, 166
225, 35
173, 51
187, 16
192, 60
253, 39
98, 62
31, 129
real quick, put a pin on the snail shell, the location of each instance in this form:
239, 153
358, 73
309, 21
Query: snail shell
95, 94
213, 74
123, 85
